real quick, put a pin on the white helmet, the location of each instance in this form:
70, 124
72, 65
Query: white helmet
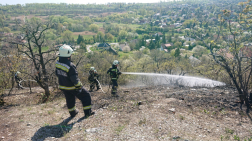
92, 68
65, 51
116, 62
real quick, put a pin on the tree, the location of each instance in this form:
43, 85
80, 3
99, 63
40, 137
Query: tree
178, 44
94, 28
68, 36
198, 51
152, 44
100, 37
169, 65
177, 52
163, 39
83, 46
233, 57
34, 31
7, 29
109, 36
157, 57
123, 34
126, 49
80, 39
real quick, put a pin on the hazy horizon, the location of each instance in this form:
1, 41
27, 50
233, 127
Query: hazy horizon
14, 2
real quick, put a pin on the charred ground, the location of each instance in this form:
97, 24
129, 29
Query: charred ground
145, 113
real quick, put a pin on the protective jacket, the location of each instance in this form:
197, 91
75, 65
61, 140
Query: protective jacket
114, 72
67, 75
93, 75
17, 78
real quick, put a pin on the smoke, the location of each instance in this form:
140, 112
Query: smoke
152, 79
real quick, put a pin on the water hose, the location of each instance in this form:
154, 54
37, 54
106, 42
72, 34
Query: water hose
100, 85
25, 80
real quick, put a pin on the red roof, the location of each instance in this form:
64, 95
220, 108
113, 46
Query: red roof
168, 45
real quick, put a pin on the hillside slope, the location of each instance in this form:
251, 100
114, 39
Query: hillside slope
146, 113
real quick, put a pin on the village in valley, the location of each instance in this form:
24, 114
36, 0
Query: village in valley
186, 70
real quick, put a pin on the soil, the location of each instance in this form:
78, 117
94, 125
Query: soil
164, 112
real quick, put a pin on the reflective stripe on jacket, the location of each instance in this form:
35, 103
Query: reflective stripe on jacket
67, 75
113, 72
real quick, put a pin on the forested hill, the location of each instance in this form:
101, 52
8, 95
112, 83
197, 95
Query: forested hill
46, 9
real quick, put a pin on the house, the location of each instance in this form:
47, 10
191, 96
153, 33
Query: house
225, 53
229, 37
143, 21
189, 39
246, 51
178, 30
166, 47
157, 15
149, 40
158, 34
104, 46
8, 34
187, 43
122, 46
157, 22
58, 46
135, 41
177, 24
163, 24
20, 37
172, 26
107, 47
194, 61
142, 48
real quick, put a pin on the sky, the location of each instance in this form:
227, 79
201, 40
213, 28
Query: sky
14, 2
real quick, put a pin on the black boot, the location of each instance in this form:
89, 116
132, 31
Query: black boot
74, 113
90, 89
115, 95
88, 113
98, 88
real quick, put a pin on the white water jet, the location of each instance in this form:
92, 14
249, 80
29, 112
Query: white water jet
161, 79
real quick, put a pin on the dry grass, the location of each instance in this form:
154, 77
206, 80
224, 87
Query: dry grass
139, 114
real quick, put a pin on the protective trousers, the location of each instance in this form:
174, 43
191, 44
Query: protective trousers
114, 86
83, 96
93, 83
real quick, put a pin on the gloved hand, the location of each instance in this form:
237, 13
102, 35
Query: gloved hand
119, 73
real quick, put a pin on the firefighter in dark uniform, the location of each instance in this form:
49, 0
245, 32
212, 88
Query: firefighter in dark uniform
114, 74
70, 84
93, 79
18, 80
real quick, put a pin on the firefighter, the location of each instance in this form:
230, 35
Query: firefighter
18, 80
114, 74
70, 84
93, 79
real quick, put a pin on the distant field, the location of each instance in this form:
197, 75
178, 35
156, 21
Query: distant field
122, 54
84, 33
133, 26
84, 36
22, 17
